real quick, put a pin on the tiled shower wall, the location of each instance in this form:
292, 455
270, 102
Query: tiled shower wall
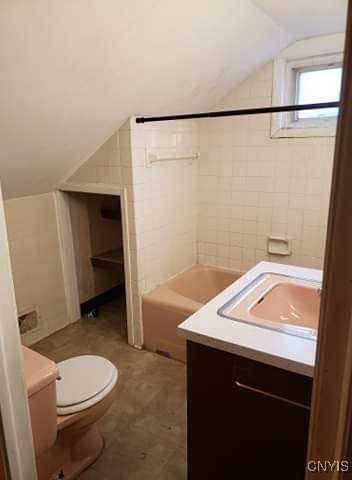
165, 200
251, 186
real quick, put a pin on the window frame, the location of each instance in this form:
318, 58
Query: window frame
310, 54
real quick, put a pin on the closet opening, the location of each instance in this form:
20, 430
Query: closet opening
97, 237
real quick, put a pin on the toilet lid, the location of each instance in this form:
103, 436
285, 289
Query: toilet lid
82, 378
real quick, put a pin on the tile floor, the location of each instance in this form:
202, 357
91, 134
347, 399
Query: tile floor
145, 428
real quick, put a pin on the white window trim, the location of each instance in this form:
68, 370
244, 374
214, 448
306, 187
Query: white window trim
315, 51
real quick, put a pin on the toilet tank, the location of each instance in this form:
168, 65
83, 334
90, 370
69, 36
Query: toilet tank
40, 376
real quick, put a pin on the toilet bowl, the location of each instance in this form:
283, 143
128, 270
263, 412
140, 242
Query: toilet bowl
65, 402
83, 382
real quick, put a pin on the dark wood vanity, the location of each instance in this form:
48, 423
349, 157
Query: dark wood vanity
246, 420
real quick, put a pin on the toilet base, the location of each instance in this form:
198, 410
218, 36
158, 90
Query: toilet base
74, 451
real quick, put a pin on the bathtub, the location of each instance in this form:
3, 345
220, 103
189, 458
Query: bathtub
165, 307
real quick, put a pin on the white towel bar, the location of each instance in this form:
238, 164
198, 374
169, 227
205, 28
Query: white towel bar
155, 158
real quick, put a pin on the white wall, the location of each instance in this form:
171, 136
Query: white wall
36, 262
251, 185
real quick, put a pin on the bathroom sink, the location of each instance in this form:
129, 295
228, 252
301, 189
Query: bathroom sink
277, 302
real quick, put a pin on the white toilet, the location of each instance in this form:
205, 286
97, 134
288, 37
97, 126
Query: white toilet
83, 381
65, 402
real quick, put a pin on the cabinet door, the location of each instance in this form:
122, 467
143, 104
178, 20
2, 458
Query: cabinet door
273, 435
246, 420
211, 426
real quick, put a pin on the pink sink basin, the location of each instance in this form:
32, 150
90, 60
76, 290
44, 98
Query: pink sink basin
289, 303
280, 303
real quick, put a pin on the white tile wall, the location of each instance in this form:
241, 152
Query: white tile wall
105, 165
165, 200
36, 262
112, 164
162, 199
251, 186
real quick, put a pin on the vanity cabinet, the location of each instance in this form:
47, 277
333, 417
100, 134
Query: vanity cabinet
246, 420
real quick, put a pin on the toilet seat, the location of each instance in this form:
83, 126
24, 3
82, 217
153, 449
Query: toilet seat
84, 381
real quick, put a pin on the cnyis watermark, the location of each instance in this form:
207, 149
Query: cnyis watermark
323, 466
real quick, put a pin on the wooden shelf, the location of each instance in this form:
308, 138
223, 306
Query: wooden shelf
109, 258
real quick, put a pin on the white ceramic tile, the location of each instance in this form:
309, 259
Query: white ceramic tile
36, 262
275, 186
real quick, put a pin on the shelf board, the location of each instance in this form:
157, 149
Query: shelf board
111, 257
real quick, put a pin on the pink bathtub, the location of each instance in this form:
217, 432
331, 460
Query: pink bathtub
168, 305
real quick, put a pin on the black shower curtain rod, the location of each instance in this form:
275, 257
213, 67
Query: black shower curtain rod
237, 113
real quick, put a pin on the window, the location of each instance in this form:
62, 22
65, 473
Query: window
309, 71
317, 85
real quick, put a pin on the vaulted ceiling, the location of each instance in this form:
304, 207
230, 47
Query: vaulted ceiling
73, 71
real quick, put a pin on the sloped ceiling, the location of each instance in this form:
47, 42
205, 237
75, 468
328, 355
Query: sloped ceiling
306, 18
72, 71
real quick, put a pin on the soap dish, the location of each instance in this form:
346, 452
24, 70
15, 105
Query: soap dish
279, 245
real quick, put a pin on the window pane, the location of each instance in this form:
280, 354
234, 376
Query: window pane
319, 86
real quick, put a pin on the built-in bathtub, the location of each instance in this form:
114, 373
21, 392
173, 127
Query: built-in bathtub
165, 307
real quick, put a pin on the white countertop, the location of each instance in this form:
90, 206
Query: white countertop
267, 346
